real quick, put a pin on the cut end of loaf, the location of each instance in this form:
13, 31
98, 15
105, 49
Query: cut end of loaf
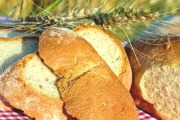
160, 86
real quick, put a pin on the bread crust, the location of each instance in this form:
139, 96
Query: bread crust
22, 96
101, 97
53, 50
153, 54
125, 74
3, 103
88, 86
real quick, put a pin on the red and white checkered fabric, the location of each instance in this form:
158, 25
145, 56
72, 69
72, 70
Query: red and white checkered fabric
145, 116
11, 115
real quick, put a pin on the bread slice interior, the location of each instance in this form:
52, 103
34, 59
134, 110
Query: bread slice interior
160, 86
104, 45
40, 77
110, 49
12, 49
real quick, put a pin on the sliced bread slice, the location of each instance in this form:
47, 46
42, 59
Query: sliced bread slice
12, 49
30, 86
110, 49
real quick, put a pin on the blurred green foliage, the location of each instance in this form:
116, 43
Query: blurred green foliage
21, 8
10, 8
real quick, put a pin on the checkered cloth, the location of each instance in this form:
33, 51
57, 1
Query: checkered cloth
11, 115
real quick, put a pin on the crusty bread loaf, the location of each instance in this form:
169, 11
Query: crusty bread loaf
88, 87
12, 49
110, 49
31, 87
156, 82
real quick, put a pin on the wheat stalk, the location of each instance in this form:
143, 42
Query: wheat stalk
74, 14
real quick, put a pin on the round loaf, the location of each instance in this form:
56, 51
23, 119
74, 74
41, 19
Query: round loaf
88, 87
156, 81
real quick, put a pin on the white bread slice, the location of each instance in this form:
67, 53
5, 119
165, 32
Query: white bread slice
31, 87
88, 87
110, 49
156, 83
12, 49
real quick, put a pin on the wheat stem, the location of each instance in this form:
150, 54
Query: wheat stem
51, 7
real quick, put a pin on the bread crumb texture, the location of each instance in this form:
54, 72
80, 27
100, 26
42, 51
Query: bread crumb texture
165, 94
12, 49
156, 83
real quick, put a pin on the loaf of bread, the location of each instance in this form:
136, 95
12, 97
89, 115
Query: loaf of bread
88, 87
30, 86
156, 81
68, 68
110, 49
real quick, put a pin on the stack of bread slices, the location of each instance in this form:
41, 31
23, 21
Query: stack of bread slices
82, 74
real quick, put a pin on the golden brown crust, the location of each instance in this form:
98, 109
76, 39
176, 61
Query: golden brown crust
62, 52
21, 96
125, 74
165, 53
101, 97
88, 87
4, 104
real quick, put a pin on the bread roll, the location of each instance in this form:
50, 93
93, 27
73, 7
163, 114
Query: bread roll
30, 86
88, 87
156, 82
110, 49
